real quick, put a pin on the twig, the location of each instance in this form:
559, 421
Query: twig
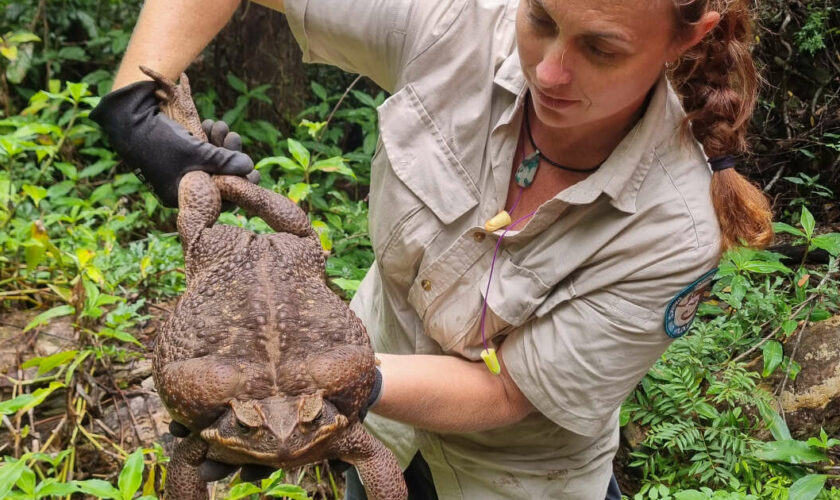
792, 315
773, 333
775, 178
781, 390
337, 105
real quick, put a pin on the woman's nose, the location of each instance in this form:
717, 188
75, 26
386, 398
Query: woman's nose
554, 69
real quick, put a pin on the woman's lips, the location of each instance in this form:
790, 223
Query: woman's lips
553, 102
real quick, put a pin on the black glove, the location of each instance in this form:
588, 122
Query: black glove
156, 148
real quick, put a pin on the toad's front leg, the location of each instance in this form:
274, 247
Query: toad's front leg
377, 466
182, 479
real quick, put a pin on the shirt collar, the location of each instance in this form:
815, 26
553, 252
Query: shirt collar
509, 75
621, 175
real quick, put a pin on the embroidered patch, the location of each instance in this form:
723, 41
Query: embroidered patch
681, 310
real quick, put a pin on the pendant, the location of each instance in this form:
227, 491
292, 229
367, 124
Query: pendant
527, 170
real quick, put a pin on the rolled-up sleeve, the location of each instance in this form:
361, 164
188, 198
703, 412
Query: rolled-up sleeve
579, 362
375, 38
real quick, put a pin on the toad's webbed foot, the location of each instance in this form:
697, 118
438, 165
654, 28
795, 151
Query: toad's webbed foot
279, 212
176, 102
377, 466
182, 480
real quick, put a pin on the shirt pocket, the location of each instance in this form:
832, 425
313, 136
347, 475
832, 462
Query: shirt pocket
418, 185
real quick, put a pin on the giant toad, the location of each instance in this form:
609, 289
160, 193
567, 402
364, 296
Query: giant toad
260, 360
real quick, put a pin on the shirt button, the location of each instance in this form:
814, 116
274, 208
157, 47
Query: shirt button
478, 236
426, 284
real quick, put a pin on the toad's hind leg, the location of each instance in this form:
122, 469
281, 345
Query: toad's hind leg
182, 479
200, 203
377, 466
279, 212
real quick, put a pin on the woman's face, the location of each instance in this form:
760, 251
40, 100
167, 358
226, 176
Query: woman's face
592, 62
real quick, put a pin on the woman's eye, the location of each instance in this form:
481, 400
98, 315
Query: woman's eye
598, 52
540, 20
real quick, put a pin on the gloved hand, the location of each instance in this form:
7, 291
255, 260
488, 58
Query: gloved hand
211, 470
156, 148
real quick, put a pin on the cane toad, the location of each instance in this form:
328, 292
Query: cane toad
260, 360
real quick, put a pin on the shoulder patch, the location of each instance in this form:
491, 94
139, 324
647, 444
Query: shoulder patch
681, 310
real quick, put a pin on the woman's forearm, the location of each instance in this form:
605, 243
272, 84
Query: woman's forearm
448, 394
171, 33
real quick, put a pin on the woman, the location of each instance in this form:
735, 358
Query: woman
554, 115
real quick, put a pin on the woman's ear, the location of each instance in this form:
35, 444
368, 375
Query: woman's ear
699, 31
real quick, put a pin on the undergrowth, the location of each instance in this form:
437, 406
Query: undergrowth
85, 244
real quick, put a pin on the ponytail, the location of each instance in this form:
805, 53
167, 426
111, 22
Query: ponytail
718, 83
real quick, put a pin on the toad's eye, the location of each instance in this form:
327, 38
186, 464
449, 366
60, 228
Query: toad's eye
242, 428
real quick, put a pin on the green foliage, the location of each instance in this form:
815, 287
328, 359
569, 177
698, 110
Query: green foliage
702, 406
811, 36
86, 244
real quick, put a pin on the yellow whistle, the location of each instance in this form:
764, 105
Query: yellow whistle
498, 221
492, 362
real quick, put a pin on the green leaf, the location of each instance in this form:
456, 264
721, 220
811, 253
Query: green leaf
300, 153
236, 83
24, 402
151, 203
51, 487
323, 231
789, 451
37, 193
364, 98
72, 54
299, 191
23, 37
40, 395
829, 242
789, 326
119, 335
98, 488
96, 168
773, 355
319, 90
9, 474
77, 91
765, 267
334, 164
807, 487
781, 227
44, 317
793, 369
242, 490
26, 481
806, 219
690, 495
738, 288
345, 284
283, 161
9, 52
292, 491
819, 315
131, 475
50, 362
776, 424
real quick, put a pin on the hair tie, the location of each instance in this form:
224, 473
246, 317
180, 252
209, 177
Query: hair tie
722, 163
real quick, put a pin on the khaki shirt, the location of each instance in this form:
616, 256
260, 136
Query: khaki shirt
578, 294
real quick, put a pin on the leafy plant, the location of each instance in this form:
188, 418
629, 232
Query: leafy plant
700, 409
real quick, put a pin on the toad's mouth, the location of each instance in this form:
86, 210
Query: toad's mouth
284, 452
